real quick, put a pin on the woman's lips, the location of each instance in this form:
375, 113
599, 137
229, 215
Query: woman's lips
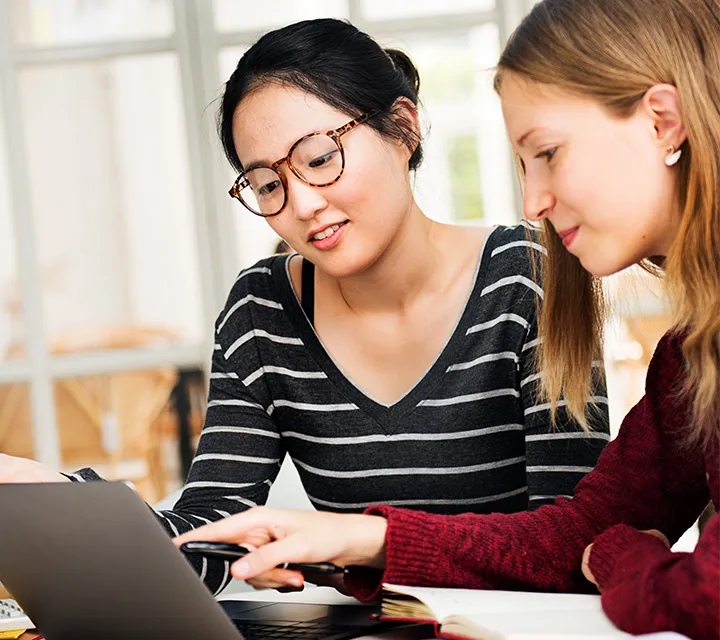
330, 241
568, 235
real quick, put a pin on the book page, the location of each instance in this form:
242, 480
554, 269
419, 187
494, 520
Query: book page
446, 602
538, 625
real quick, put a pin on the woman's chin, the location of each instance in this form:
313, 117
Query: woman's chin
340, 267
602, 268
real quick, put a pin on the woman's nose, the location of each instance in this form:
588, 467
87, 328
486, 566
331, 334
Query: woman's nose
538, 200
304, 200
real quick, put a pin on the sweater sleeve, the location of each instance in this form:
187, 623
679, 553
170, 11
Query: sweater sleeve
558, 454
237, 460
543, 549
680, 591
240, 450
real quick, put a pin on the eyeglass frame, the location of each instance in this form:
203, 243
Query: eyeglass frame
241, 182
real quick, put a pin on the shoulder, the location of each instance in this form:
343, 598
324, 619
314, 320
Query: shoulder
667, 366
519, 243
255, 289
514, 252
259, 279
509, 277
667, 391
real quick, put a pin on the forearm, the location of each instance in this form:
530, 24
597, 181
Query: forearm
543, 549
216, 489
498, 551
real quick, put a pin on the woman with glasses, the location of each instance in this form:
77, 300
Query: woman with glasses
613, 108
392, 357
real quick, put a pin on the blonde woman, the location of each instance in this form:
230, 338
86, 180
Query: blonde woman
613, 109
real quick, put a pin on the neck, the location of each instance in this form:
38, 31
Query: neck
408, 267
671, 231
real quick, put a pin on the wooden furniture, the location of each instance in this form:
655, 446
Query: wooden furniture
122, 424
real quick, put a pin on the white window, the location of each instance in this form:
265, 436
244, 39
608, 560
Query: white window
118, 242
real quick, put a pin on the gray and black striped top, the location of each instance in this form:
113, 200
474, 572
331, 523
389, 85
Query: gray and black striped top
469, 436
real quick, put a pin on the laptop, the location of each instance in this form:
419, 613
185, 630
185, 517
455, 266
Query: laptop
90, 561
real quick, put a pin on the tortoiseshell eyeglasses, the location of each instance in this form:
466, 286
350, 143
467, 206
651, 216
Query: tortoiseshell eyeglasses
318, 159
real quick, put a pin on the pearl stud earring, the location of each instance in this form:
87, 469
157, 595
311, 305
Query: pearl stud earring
672, 156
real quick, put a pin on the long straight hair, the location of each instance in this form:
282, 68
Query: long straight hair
613, 51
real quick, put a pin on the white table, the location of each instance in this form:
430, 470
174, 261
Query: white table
328, 595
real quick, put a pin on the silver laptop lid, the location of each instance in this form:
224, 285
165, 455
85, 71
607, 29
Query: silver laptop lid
90, 560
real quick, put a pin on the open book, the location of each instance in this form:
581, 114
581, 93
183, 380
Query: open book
500, 615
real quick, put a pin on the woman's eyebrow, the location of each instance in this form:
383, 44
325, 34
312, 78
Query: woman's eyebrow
266, 163
523, 138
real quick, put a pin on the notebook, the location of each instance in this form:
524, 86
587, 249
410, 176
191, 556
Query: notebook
500, 615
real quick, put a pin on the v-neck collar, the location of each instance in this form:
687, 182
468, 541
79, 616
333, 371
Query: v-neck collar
385, 414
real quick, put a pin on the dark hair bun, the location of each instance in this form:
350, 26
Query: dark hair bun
404, 65
334, 61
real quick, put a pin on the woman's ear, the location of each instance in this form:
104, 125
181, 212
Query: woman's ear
404, 115
661, 103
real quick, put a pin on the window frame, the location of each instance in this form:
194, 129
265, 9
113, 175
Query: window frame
197, 45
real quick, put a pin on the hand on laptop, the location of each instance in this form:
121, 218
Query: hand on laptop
282, 536
21, 470
336, 581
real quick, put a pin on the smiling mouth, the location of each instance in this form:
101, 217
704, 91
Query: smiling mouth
567, 232
326, 233
567, 237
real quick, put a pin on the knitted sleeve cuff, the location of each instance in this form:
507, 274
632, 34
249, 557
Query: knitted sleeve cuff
612, 552
410, 554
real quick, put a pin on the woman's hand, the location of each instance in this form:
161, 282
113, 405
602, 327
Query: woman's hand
588, 550
335, 581
17, 470
278, 536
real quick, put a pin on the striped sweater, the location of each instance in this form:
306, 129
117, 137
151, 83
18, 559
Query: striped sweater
468, 437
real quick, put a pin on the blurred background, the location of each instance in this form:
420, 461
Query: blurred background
118, 242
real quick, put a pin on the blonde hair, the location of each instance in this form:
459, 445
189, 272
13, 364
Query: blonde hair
613, 51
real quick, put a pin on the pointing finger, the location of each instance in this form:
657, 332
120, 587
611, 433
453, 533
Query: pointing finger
231, 529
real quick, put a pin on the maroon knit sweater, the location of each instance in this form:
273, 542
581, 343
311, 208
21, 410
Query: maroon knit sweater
649, 477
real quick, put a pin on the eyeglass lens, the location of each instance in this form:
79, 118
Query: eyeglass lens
316, 160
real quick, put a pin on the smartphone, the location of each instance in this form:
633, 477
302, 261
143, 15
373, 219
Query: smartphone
226, 551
